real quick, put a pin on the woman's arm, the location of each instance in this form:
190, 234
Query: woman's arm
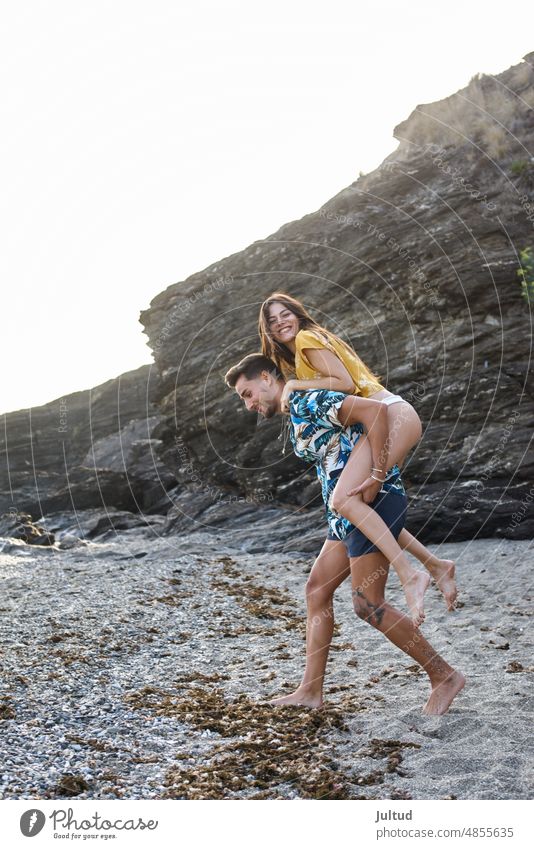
373, 415
335, 375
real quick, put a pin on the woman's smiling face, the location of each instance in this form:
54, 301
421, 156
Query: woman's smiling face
283, 323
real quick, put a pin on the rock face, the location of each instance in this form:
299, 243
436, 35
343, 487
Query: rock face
91, 449
415, 265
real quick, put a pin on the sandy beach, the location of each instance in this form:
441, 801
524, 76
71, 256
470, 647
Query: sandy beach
136, 666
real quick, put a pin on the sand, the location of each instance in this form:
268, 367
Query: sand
135, 667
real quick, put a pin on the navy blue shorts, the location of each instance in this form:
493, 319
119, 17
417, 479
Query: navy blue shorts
391, 507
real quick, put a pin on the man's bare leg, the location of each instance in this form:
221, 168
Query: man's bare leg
329, 571
369, 574
443, 571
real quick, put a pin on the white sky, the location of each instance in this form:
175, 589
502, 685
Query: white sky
144, 141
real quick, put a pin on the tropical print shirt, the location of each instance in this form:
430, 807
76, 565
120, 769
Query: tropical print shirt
319, 437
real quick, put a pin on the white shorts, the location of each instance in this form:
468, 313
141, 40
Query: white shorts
391, 399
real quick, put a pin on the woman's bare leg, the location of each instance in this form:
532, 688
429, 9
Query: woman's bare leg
404, 433
329, 571
443, 571
404, 426
414, 582
369, 575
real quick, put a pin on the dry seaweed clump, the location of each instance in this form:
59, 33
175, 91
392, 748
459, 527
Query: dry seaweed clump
258, 600
278, 747
208, 710
241, 774
71, 785
516, 666
6, 709
391, 750
269, 752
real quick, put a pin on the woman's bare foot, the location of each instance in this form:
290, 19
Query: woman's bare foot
443, 693
444, 576
414, 590
301, 697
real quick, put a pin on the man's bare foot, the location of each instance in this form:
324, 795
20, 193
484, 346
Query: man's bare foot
444, 576
299, 697
414, 590
442, 694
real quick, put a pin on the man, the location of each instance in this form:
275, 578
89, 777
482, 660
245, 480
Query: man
326, 427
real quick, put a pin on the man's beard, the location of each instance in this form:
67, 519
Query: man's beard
268, 409
269, 412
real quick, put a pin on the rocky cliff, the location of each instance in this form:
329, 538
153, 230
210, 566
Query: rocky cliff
90, 449
415, 264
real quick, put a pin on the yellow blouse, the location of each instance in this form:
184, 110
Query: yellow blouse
365, 382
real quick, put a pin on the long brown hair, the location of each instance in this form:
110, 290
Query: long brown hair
276, 351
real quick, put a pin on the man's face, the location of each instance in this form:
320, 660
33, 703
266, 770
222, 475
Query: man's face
261, 394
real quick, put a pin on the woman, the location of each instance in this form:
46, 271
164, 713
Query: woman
321, 360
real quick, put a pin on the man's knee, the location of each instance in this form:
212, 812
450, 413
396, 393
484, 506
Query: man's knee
317, 591
369, 611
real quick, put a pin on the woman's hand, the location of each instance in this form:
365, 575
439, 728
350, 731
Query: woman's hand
286, 392
369, 489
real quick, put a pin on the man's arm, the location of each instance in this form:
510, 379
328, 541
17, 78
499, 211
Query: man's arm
373, 415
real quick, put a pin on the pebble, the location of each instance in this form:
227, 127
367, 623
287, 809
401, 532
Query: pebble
72, 713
